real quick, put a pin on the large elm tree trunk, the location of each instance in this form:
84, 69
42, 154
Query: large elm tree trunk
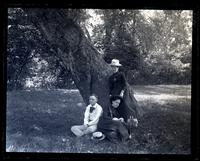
89, 71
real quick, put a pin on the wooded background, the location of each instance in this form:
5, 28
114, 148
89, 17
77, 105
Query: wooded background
154, 46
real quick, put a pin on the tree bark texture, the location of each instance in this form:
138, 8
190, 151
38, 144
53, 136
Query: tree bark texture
89, 70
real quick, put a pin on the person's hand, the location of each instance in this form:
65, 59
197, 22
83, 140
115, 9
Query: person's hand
86, 125
122, 93
135, 122
121, 119
115, 119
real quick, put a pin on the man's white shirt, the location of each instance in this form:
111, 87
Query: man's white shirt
93, 117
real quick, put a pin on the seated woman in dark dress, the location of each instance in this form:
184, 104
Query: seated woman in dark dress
112, 124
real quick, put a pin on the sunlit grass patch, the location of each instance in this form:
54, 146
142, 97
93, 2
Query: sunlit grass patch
40, 121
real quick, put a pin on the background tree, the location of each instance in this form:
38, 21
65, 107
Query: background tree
89, 71
31, 62
153, 46
154, 43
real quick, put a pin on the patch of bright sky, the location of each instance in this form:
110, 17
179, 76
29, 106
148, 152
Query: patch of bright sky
149, 13
94, 20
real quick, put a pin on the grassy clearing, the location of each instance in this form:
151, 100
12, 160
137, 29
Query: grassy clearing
40, 121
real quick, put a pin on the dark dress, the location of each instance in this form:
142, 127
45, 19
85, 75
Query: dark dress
115, 131
117, 83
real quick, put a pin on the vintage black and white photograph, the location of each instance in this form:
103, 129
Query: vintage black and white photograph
109, 81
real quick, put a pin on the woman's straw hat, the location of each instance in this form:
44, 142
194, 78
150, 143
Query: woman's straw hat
115, 62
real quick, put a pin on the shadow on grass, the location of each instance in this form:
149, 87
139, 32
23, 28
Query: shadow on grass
40, 121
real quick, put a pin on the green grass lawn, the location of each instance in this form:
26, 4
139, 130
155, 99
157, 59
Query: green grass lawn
40, 121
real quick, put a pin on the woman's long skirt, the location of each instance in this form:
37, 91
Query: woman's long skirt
130, 105
115, 131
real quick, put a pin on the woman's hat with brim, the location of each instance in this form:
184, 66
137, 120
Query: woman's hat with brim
115, 62
98, 136
115, 97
